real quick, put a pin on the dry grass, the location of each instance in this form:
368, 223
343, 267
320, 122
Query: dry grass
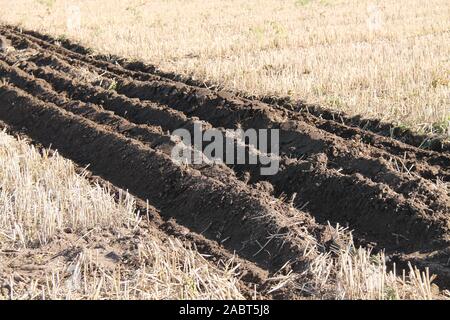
160, 270
61, 237
41, 194
347, 272
384, 59
355, 273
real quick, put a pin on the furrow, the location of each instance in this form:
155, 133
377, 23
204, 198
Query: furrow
243, 220
337, 123
374, 210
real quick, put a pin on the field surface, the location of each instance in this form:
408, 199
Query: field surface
117, 117
387, 60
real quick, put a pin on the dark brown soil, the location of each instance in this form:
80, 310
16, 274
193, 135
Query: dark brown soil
118, 119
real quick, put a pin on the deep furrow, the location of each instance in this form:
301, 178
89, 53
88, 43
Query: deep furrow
299, 138
383, 135
151, 135
409, 186
242, 219
375, 168
230, 118
368, 207
323, 119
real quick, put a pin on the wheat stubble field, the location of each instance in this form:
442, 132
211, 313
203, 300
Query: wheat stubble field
351, 214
